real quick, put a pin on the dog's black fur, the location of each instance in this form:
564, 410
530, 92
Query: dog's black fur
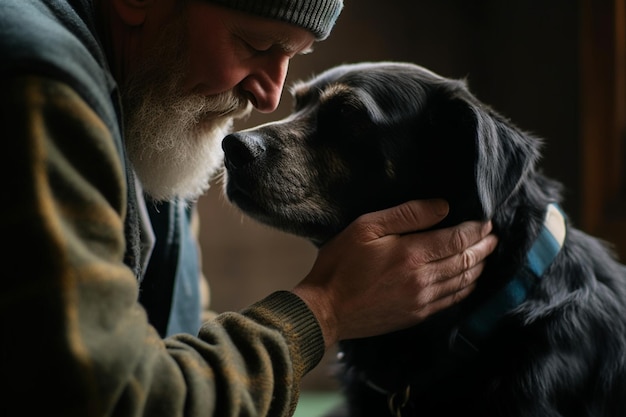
369, 136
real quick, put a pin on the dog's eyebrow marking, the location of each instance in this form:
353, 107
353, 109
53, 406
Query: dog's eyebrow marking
301, 92
334, 90
299, 88
359, 95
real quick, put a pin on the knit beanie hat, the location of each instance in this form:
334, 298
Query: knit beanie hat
317, 16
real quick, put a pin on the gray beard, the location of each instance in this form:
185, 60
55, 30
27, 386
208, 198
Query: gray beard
173, 139
175, 147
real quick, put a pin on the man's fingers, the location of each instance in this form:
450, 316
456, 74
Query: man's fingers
452, 241
408, 217
454, 277
450, 291
460, 282
465, 261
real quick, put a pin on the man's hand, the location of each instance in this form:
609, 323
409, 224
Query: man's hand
377, 276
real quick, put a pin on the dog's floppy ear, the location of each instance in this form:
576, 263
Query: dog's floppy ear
504, 156
483, 156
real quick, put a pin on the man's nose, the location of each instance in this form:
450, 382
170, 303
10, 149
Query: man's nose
264, 85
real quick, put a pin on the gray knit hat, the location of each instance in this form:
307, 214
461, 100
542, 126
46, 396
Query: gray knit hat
318, 16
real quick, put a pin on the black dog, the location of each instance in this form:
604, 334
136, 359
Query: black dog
544, 333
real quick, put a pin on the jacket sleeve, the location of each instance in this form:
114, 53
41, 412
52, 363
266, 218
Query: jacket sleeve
75, 341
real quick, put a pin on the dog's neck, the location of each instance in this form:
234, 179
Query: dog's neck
469, 335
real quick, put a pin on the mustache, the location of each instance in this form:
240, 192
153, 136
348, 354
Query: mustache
227, 104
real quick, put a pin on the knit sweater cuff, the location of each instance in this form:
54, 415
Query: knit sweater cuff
288, 313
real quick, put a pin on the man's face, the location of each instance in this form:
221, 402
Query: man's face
208, 66
173, 137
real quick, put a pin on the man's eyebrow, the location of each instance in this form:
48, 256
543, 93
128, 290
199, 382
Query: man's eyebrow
306, 51
290, 49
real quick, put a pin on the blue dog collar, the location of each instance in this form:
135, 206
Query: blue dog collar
540, 256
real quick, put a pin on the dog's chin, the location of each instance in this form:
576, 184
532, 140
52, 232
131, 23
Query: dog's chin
317, 227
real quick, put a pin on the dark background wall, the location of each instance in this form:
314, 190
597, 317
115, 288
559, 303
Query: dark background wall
519, 56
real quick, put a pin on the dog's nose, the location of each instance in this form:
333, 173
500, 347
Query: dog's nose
241, 148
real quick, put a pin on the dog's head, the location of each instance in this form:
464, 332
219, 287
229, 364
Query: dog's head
368, 136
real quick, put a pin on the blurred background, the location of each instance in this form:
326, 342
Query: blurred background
556, 68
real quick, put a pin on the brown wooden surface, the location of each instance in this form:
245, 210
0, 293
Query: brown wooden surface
603, 119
